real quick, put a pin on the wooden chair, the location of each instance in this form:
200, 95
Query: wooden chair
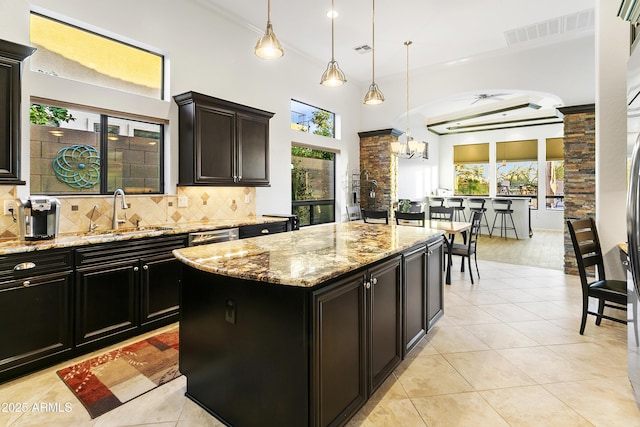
375, 217
416, 219
353, 213
586, 246
468, 249
440, 213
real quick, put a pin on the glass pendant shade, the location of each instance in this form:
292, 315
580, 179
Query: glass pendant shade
268, 47
374, 96
333, 75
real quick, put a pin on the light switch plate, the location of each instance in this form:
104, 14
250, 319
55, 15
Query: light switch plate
9, 204
183, 201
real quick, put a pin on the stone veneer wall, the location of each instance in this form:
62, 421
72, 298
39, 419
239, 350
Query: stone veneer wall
378, 169
580, 172
204, 203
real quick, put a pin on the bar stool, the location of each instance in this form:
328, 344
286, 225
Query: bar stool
502, 207
477, 205
457, 203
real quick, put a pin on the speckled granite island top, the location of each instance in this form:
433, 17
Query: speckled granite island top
307, 257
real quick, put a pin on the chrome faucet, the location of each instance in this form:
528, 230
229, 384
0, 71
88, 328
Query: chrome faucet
123, 205
92, 225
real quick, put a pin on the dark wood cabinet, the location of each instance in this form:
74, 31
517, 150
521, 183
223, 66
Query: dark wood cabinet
415, 297
124, 289
435, 282
384, 321
35, 310
339, 351
11, 57
261, 229
221, 142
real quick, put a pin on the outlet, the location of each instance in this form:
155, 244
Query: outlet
247, 198
9, 205
183, 201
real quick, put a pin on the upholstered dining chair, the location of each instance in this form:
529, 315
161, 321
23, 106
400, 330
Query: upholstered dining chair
440, 213
610, 293
416, 219
468, 249
375, 217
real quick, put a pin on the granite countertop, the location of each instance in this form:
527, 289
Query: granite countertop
104, 236
307, 257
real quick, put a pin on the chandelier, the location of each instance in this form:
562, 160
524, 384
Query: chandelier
406, 147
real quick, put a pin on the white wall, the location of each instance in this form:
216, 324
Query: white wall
207, 53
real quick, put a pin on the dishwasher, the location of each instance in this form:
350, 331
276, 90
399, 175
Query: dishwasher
212, 236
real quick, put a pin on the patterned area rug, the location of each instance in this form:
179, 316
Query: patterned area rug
107, 381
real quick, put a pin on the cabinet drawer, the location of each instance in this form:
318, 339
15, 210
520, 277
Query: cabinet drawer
13, 266
117, 251
262, 229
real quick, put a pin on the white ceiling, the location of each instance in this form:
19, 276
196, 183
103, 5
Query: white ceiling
441, 31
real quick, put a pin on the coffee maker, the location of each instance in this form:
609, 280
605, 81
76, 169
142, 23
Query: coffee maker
38, 217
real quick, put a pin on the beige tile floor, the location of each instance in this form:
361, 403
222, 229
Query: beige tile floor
506, 353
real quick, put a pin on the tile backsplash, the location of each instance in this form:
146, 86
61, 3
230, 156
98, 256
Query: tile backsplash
202, 204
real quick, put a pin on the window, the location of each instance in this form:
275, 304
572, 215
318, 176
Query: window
74, 53
71, 154
312, 185
554, 198
517, 169
471, 164
307, 118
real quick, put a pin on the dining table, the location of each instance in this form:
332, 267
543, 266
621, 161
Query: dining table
450, 228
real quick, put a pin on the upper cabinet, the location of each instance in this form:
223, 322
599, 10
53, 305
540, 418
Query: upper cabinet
221, 142
11, 57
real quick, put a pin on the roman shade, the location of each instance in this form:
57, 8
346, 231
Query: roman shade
517, 151
472, 153
555, 149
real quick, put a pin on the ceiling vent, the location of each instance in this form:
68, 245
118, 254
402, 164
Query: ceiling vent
579, 21
365, 48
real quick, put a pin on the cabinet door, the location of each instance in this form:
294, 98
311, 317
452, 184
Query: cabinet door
215, 146
435, 282
106, 301
253, 149
339, 364
385, 322
160, 288
35, 319
414, 297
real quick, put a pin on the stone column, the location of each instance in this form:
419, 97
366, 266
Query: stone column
579, 172
378, 170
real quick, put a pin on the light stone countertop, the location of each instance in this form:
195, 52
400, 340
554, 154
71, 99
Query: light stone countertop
307, 257
104, 236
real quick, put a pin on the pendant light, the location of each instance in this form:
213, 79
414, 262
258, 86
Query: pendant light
332, 76
268, 47
408, 147
373, 96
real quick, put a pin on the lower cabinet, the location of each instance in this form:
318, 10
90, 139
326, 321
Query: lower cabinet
415, 297
357, 341
35, 322
435, 282
121, 290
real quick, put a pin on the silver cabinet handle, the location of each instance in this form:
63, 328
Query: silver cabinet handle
367, 285
145, 267
26, 283
374, 280
24, 266
135, 269
265, 231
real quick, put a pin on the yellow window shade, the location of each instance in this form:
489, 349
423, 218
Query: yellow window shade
555, 149
473, 153
517, 151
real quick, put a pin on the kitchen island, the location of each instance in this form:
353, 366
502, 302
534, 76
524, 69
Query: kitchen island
301, 328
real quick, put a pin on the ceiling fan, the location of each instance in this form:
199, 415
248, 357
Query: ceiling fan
485, 96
